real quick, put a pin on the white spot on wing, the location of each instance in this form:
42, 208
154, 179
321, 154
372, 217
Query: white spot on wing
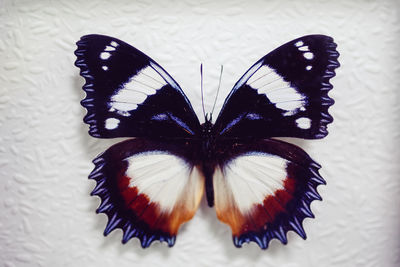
299, 43
105, 55
111, 123
121, 111
304, 48
309, 67
114, 43
290, 112
104, 68
109, 48
303, 123
122, 106
308, 55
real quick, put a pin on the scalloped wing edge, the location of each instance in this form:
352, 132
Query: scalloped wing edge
327, 101
117, 220
285, 224
87, 102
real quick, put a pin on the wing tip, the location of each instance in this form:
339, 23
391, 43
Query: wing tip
326, 86
328, 45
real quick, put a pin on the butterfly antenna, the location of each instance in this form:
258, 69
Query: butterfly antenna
219, 85
202, 92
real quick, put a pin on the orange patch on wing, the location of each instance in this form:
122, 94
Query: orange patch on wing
232, 216
187, 204
259, 215
225, 205
170, 222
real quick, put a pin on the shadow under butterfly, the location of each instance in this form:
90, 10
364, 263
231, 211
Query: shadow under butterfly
261, 187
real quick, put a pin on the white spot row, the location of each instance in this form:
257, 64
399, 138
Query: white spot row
304, 48
106, 53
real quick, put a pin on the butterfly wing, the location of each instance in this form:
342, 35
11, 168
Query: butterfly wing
284, 94
128, 94
263, 189
147, 188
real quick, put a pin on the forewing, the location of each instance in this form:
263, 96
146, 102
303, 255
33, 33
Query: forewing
147, 189
264, 189
130, 95
284, 94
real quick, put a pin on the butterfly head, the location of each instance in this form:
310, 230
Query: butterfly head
207, 125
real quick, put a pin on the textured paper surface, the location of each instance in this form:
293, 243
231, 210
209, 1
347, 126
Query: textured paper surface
47, 216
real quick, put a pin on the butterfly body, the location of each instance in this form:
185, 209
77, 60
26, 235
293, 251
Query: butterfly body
209, 158
261, 187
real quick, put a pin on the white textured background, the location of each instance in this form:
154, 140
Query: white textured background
46, 214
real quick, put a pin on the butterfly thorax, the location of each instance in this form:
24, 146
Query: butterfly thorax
207, 139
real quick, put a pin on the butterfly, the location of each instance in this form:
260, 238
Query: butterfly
260, 186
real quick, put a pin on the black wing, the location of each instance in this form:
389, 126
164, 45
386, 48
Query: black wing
284, 94
129, 94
